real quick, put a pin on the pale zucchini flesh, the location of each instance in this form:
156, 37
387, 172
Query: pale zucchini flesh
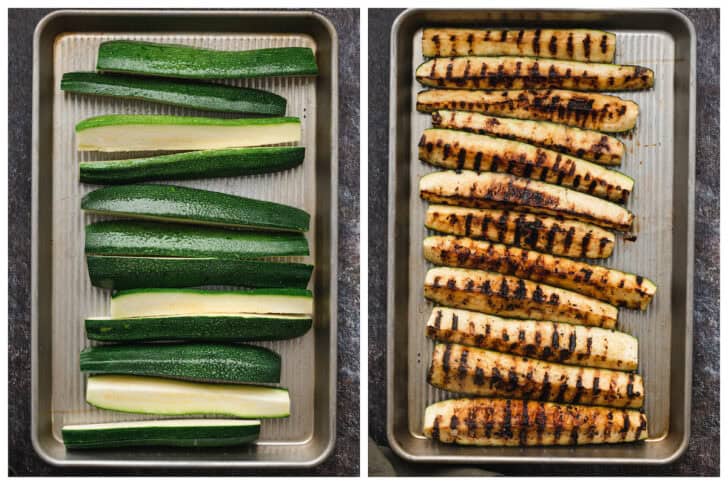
549, 341
479, 372
511, 422
530, 231
586, 144
128, 133
478, 72
161, 301
461, 150
169, 397
591, 111
610, 285
570, 44
489, 190
509, 296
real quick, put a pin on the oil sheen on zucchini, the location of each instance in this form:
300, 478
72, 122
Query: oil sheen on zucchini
171, 203
230, 162
187, 94
475, 371
570, 44
212, 328
182, 61
171, 397
184, 433
550, 341
513, 422
461, 150
477, 72
489, 190
129, 133
529, 231
509, 296
586, 144
591, 111
196, 361
610, 285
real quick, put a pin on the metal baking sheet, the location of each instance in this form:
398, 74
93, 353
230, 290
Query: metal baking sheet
660, 157
62, 293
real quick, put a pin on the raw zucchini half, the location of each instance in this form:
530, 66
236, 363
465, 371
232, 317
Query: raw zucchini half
231, 162
171, 203
129, 272
201, 361
183, 61
153, 302
169, 397
129, 133
184, 433
187, 94
137, 238
219, 328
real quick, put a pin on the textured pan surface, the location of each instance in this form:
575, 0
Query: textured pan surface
649, 159
282, 441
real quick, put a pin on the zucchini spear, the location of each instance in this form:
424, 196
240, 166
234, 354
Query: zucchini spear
571, 44
473, 72
512, 422
610, 285
550, 341
474, 371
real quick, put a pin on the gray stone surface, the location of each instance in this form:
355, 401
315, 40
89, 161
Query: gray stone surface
22, 458
703, 454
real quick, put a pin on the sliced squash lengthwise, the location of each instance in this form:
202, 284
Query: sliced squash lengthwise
571, 44
474, 72
489, 190
592, 111
610, 285
550, 341
529, 231
480, 372
512, 422
461, 150
509, 296
587, 144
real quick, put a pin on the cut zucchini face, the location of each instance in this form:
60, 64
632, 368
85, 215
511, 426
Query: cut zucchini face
169, 397
512, 422
129, 133
154, 302
184, 433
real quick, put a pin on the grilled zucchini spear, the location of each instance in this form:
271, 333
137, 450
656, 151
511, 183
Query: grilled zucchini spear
474, 72
592, 111
529, 231
489, 190
509, 296
610, 285
550, 341
572, 44
586, 144
474, 371
512, 422
461, 150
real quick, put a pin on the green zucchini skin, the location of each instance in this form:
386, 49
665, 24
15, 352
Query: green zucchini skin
231, 162
187, 94
128, 272
175, 433
210, 328
202, 361
181, 61
194, 206
136, 238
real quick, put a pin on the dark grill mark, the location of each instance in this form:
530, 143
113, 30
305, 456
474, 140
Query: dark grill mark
562, 390
585, 243
471, 422
461, 159
463, 367
523, 432
521, 335
477, 161
520, 293
503, 291
625, 425
603, 44
438, 319
479, 377
512, 380
550, 236
436, 429
536, 41
495, 378
575, 434
588, 346
572, 342
446, 362
579, 389
454, 422
506, 428
486, 288
603, 244
446, 151
570, 45
519, 38
455, 318
595, 387
451, 284
552, 45
587, 46
639, 280
504, 335
468, 222
545, 387
553, 299
470, 43
540, 421
504, 34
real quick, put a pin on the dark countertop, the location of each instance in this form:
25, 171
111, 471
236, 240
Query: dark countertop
703, 454
22, 458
